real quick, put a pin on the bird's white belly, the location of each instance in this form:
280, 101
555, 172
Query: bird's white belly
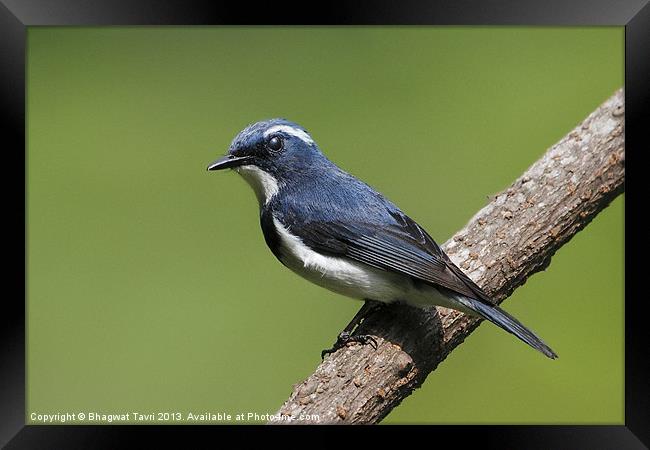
351, 278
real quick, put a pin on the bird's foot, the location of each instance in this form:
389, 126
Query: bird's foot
346, 337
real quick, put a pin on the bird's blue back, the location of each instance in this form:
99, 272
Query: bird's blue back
324, 191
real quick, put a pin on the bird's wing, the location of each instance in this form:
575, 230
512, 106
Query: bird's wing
402, 246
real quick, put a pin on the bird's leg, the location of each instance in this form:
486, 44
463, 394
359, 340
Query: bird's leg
345, 336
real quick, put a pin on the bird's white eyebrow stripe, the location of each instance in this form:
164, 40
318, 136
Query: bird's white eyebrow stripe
297, 132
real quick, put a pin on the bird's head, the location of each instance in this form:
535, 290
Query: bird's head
269, 154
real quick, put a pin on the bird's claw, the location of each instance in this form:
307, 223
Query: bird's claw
345, 338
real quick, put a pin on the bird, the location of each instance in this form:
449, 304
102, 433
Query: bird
338, 232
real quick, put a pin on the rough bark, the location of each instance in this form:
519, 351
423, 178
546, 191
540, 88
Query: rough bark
507, 241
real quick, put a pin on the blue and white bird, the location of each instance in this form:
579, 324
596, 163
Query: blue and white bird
339, 233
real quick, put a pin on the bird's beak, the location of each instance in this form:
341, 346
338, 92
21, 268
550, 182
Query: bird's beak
228, 162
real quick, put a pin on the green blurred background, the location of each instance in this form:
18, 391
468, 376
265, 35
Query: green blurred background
149, 284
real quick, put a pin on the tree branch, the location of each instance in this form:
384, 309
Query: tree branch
507, 241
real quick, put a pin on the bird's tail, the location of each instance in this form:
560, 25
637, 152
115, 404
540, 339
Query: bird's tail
504, 320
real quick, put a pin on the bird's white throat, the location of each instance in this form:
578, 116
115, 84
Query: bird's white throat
263, 183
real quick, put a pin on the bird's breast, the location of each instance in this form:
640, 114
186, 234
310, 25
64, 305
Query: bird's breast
339, 274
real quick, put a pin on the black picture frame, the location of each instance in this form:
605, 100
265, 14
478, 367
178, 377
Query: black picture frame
17, 15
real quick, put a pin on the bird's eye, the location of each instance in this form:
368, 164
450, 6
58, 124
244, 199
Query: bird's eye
275, 143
